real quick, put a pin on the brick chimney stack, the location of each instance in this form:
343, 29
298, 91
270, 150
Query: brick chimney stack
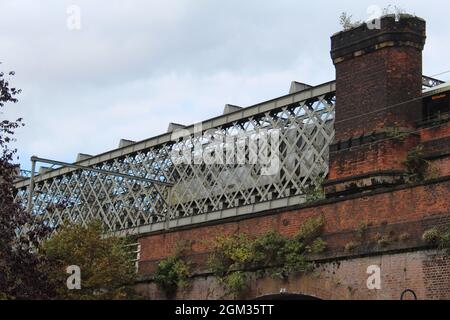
378, 86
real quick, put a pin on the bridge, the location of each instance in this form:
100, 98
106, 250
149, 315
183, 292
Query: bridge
253, 169
157, 190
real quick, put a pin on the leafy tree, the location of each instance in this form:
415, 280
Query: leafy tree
107, 270
20, 277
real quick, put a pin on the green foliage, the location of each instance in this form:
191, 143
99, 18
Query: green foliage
352, 246
318, 246
294, 258
270, 254
361, 229
398, 134
347, 23
107, 271
431, 236
445, 240
311, 228
172, 273
229, 257
234, 252
20, 275
438, 238
416, 165
314, 191
235, 283
268, 248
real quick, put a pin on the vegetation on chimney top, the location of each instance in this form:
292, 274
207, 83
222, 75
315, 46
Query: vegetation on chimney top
347, 23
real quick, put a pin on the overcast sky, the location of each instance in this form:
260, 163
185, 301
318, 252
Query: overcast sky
135, 66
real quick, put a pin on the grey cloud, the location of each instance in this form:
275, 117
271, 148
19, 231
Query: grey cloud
136, 65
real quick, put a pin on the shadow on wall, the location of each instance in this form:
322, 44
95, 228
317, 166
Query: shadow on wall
287, 296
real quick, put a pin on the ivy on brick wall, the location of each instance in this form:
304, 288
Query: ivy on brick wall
236, 259
173, 272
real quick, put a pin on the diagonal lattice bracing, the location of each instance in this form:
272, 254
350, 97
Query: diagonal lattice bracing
236, 183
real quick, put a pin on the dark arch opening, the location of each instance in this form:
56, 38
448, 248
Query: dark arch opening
287, 296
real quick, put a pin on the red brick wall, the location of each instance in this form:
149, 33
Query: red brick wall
380, 156
373, 82
413, 204
425, 272
368, 78
427, 134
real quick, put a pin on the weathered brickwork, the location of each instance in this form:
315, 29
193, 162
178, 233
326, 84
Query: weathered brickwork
379, 73
410, 204
425, 272
376, 70
435, 132
366, 185
436, 271
404, 211
373, 157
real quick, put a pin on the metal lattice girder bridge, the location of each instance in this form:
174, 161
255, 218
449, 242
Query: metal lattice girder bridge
159, 189
166, 182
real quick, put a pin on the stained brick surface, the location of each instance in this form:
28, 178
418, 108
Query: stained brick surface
372, 77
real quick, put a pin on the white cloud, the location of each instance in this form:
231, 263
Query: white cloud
135, 66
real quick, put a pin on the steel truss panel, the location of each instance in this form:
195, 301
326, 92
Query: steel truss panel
201, 192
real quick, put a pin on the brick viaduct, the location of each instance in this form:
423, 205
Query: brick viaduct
378, 86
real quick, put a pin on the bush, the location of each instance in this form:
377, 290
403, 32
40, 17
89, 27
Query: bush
107, 270
311, 228
318, 246
172, 273
351, 246
235, 283
230, 253
268, 249
271, 254
431, 236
